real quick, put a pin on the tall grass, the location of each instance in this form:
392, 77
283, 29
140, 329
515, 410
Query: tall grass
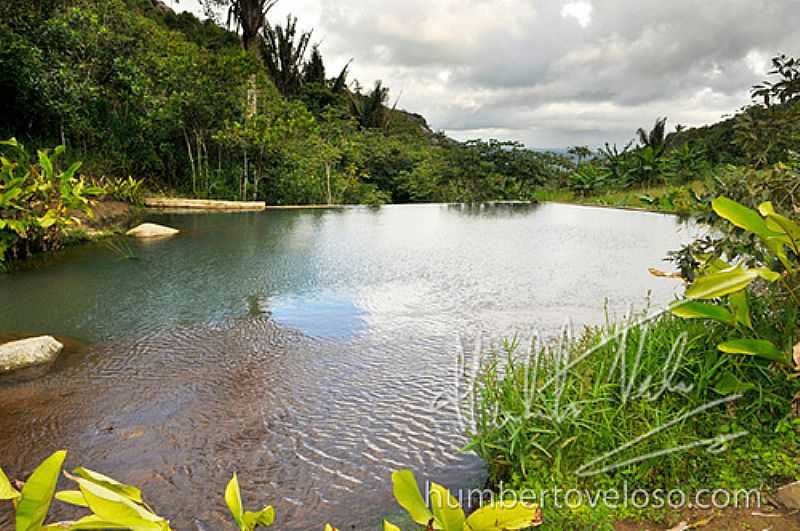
648, 403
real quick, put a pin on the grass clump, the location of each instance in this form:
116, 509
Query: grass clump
648, 404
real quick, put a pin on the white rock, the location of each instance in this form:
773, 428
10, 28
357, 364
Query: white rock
151, 230
35, 353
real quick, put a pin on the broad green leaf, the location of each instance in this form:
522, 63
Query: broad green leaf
46, 164
119, 510
7, 491
779, 223
67, 175
447, 510
37, 494
767, 274
72, 497
388, 526
407, 494
505, 515
741, 308
10, 142
755, 347
88, 522
128, 491
714, 264
264, 518
778, 248
720, 284
233, 497
729, 384
699, 310
741, 216
48, 220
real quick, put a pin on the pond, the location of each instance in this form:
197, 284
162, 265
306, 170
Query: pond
311, 351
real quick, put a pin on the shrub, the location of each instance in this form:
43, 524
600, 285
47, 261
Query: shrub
37, 201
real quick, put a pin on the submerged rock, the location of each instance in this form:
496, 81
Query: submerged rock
28, 358
151, 230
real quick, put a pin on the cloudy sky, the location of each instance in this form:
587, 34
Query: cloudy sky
553, 73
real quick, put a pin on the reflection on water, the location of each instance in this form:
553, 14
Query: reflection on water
307, 350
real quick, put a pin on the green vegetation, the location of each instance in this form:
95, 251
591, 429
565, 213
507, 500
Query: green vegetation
446, 513
38, 201
190, 109
704, 399
751, 157
114, 505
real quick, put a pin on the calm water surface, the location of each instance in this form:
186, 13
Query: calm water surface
311, 351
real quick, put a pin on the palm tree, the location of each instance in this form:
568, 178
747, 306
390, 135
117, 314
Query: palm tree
249, 16
283, 52
580, 152
314, 69
656, 138
370, 109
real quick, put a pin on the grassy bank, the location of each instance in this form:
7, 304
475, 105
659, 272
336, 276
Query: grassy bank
570, 416
656, 198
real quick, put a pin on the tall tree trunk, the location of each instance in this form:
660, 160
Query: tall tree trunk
328, 176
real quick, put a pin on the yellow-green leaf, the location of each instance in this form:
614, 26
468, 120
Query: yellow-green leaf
720, 284
37, 494
72, 497
779, 223
388, 526
112, 484
87, 522
741, 308
263, 518
503, 515
741, 216
447, 510
7, 491
755, 347
407, 494
767, 274
119, 510
699, 310
233, 498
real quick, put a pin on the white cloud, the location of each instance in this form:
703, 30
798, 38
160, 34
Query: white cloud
554, 73
580, 11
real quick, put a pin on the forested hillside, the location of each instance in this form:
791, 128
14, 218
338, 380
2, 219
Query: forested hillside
133, 89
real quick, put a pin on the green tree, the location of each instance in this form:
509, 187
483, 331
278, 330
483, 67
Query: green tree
283, 51
370, 110
656, 138
247, 16
314, 69
580, 152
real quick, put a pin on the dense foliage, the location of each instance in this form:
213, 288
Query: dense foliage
756, 149
38, 201
707, 401
132, 89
